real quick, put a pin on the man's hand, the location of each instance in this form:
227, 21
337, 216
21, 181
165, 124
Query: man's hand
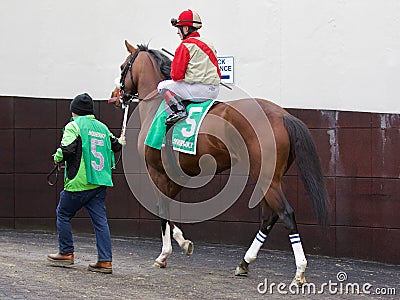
122, 140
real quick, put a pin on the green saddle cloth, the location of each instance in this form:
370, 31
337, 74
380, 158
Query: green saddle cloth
184, 135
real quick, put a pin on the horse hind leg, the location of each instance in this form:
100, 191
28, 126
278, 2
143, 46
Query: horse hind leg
166, 250
275, 205
187, 246
299, 256
288, 218
268, 221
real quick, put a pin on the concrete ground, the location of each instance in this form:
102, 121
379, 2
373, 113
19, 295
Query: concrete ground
207, 274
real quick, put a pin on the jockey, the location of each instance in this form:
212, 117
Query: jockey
194, 70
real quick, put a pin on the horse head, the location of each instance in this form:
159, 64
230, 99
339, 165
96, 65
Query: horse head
141, 71
123, 88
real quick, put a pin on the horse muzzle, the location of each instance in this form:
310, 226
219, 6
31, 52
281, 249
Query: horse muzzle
116, 97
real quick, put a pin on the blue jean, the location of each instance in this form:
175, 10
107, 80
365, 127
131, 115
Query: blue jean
94, 202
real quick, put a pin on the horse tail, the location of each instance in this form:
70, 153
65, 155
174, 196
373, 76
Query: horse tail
303, 150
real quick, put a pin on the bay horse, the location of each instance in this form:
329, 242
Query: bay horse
272, 138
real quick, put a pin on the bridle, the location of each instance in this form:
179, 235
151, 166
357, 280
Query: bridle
124, 96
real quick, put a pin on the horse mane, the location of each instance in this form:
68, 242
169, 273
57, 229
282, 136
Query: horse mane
163, 62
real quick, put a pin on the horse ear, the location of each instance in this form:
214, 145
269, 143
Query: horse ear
129, 47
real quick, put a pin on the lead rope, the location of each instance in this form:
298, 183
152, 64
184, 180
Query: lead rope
54, 171
123, 130
126, 110
125, 107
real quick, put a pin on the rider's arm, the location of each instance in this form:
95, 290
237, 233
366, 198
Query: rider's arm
180, 63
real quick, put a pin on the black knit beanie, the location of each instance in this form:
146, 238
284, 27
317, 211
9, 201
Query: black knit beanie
82, 105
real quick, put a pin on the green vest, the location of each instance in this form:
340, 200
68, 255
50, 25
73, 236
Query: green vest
96, 150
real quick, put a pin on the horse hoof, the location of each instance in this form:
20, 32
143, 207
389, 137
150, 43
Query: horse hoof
160, 264
299, 280
187, 247
240, 271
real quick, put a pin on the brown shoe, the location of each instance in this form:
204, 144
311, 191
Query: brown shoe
61, 259
101, 267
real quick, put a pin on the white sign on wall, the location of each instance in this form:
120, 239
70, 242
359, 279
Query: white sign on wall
226, 65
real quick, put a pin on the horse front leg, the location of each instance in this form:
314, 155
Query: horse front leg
165, 191
166, 250
187, 246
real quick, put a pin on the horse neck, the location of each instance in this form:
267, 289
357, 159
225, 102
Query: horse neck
148, 75
147, 111
147, 80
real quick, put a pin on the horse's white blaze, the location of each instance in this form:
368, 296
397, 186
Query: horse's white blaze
117, 83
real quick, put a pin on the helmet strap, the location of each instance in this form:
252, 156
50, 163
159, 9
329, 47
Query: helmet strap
191, 29
183, 34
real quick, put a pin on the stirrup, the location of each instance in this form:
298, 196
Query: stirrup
172, 119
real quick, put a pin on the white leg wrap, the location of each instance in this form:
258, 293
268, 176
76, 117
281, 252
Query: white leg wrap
178, 236
252, 252
166, 247
301, 262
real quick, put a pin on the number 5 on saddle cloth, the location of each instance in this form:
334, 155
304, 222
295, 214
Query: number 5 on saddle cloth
184, 135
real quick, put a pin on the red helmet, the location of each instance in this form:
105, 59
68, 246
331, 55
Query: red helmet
187, 18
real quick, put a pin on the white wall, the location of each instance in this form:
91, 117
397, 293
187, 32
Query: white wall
323, 54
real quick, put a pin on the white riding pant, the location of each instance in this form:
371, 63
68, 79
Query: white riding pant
196, 92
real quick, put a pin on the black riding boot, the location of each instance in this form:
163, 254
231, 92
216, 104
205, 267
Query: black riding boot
178, 111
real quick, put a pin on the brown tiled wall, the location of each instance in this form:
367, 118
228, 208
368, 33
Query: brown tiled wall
359, 153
